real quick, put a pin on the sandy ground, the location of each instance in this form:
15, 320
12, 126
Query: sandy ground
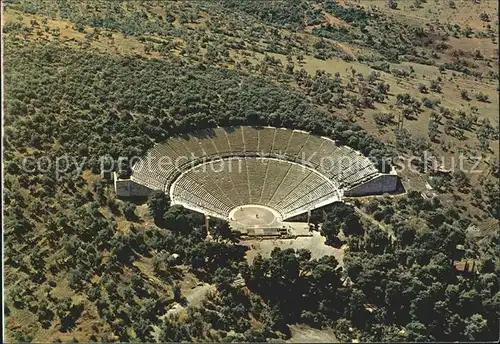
315, 244
306, 334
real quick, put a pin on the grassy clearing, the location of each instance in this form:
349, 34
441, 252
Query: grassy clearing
464, 13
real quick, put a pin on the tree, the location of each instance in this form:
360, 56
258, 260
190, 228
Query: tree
177, 293
220, 229
461, 179
393, 4
223, 277
383, 87
433, 130
464, 94
142, 329
484, 17
331, 229
377, 241
476, 328
484, 143
129, 211
468, 32
439, 181
482, 97
356, 310
382, 118
422, 88
405, 235
435, 86
417, 332
45, 315
180, 219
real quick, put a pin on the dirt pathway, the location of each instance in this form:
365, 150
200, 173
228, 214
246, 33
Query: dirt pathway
193, 298
383, 226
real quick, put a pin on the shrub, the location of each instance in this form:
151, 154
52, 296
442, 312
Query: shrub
422, 88
482, 97
484, 17
435, 86
383, 118
468, 32
129, 210
384, 67
433, 130
400, 73
430, 103
464, 94
393, 4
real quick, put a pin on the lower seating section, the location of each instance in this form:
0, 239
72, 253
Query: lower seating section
188, 190
203, 204
346, 167
217, 171
317, 192
361, 168
256, 169
238, 174
276, 171
295, 176
223, 185
305, 188
239, 180
206, 176
300, 207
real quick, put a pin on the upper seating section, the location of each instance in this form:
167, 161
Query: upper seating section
164, 162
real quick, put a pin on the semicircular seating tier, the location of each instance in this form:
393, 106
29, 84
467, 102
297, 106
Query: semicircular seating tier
343, 167
217, 187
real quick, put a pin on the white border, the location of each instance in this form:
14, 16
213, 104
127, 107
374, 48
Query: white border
4, 322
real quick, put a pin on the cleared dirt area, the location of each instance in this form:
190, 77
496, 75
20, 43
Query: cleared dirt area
194, 293
465, 12
306, 334
194, 297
